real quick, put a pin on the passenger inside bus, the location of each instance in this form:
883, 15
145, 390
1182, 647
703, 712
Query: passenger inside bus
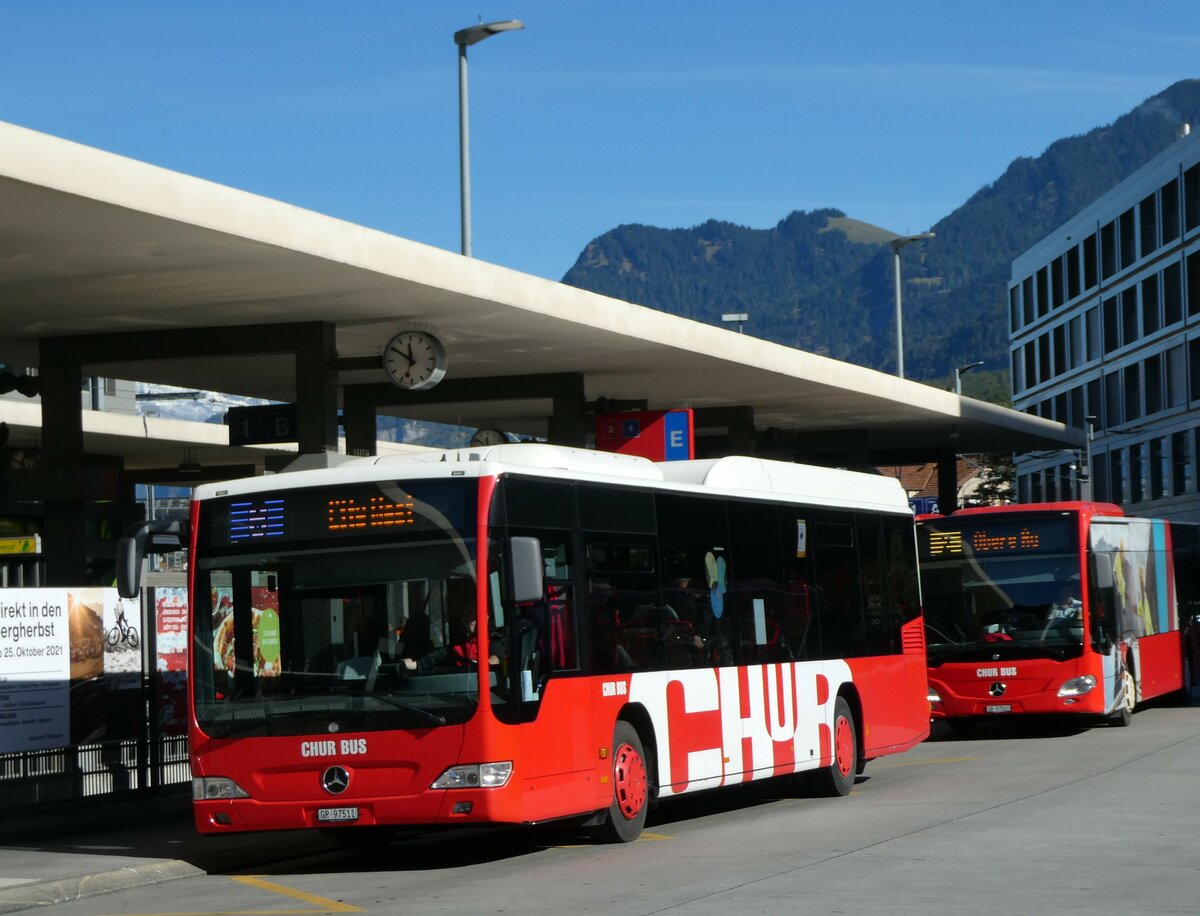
462, 652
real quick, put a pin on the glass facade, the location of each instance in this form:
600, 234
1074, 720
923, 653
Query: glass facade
1105, 332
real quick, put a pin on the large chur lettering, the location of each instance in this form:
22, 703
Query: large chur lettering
722, 726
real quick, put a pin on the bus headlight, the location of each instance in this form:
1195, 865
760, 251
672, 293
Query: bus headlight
1078, 686
935, 699
214, 788
475, 776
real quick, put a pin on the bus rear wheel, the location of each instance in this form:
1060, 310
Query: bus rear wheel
631, 793
838, 778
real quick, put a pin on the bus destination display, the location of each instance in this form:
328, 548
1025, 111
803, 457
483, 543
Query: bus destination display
1001, 537
314, 515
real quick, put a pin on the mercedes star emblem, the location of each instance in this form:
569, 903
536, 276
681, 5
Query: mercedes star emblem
335, 780
996, 690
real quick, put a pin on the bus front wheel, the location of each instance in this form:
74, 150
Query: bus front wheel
838, 777
631, 793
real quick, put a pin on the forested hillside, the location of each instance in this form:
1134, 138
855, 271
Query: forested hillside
822, 282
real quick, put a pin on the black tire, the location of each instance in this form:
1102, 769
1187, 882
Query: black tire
132, 637
114, 637
631, 788
838, 778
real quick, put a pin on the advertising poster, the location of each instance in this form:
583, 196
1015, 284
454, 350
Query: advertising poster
170, 615
35, 669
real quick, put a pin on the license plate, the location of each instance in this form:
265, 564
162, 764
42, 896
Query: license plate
337, 814
1004, 708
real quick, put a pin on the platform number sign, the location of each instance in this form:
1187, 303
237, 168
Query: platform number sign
263, 424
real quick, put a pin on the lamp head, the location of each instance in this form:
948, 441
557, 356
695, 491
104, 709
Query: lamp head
476, 33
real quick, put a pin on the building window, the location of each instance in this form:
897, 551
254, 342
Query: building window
1089, 261
1044, 358
1147, 226
1112, 399
1151, 320
1137, 473
1108, 249
1077, 344
1023, 489
1057, 281
1035, 487
1099, 472
1027, 300
1013, 308
1193, 283
1016, 370
1191, 197
1194, 368
1129, 315
1168, 222
1133, 391
1060, 350
1176, 377
1092, 324
1159, 469
1051, 494
1043, 293
1112, 325
1030, 365
1181, 463
1125, 228
1153, 384
1077, 416
1172, 295
1073, 289
1116, 475
1094, 405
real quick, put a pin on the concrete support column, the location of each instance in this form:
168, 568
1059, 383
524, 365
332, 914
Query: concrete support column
568, 424
359, 424
316, 387
64, 518
947, 470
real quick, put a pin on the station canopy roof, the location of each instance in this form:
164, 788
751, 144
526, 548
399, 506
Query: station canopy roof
92, 242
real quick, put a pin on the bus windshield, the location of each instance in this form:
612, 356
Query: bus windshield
344, 620
1001, 588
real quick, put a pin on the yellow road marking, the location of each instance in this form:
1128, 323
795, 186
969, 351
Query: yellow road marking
319, 904
324, 903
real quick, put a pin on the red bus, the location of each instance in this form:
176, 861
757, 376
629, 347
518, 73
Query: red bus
524, 633
1067, 607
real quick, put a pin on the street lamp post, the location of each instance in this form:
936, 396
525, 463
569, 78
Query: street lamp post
897, 243
958, 374
464, 38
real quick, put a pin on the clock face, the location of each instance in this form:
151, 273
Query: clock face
415, 360
489, 437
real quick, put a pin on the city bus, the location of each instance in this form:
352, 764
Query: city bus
526, 633
1067, 607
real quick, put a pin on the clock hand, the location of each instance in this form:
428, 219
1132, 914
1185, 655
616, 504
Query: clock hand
408, 356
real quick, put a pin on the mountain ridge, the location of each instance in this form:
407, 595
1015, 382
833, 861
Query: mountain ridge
822, 281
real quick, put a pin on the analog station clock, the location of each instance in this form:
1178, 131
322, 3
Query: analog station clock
414, 360
489, 437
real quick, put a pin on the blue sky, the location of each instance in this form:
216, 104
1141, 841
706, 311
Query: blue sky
653, 112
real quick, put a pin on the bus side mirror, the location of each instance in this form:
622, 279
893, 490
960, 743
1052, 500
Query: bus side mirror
1103, 571
523, 570
159, 536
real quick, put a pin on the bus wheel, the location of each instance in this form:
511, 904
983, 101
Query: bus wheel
838, 778
627, 813
1124, 716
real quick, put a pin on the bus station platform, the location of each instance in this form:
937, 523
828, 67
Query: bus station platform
55, 857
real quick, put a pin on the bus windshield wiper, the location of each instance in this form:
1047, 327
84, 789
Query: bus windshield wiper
429, 718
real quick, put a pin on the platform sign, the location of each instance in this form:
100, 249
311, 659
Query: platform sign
660, 435
263, 424
924, 505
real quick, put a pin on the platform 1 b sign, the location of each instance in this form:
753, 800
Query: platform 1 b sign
660, 435
263, 424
